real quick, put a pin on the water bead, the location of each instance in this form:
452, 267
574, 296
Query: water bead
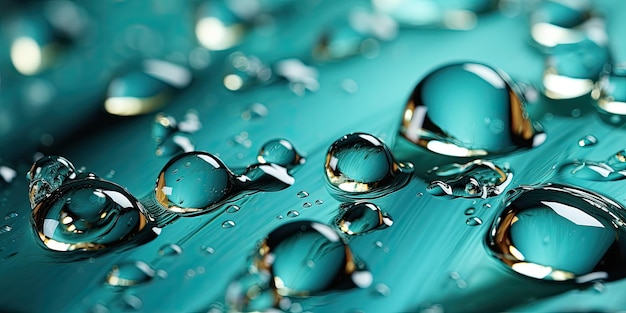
7, 175
130, 274
280, 152
307, 258
233, 208
228, 224
244, 71
473, 221
587, 141
556, 22
360, 165
88, 214
47, 174
251, 292
170, 249
609, 93
611, 169
301, 77
163, 127
361, 218
217, 27
484, 115
302, 194
474, 179
458, 14
560, 233
177, 143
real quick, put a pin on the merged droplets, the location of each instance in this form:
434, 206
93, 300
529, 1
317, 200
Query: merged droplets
88, 214
280, 152
474, 179
558, 232
361, 218
609, 93
46, 175
361, 165
172, 137
130, 274
489, 113
611, 169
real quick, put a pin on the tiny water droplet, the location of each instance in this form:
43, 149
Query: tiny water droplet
361, 165
307, 205
300, 76
6, 229
293, 213
131, 303
302, 194
244, 71
171, 249
361, 218
11, 215
611, 169
382, 290
279, 217
7, 174
584, 231
470, 211
228, 224
233, 208
207, 249
319, 202
486, 206
130, 274
587, 141
487, 93
473, 221
254, 111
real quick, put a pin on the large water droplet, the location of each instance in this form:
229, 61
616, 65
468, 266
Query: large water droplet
361, 165
611, 169
281, 152
217, 28
572, 69
583, 231
308, 258
46, 175
130, 274
471, 180
468, 109
361, 218
610, 94
88, 214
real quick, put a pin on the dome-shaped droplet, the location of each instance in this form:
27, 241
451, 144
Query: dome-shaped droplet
281, 152
217, 27
611, 169
556, 22
170, 249
587, 141
359, 165
46, 175
361, 218
87, 214
609, 93
307, 258
163, 127
572, 69
558, 232
471, 180
193, 182
130, 274
468, 109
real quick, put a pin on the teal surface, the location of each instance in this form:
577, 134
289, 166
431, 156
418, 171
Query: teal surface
416, 251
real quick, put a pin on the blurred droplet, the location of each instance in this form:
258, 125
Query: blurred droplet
130, 274
609, 93
361, 218
244, 71
474, 179
217, 28
587, 141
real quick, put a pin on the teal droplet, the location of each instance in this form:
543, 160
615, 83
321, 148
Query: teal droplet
469, 211
361, 218
88, 214
171, 249
611, 169
473, 221
217, 27
130, 274
46, 175
609, 94
587, 141
245, 71
359, 165
467, 110
558, 22
280, 152
558, 232
474, 179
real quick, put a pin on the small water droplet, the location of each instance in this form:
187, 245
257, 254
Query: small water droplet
254, 111
560, 22
486, 93
349, 85
279, 217
244, 71
307, 205
130, 274
470, 211
293, 213
611, 169
361, 165
382, 290
207, 249
131, 303
486, 206
302, 194
319, 202
361, 218
11, 215
608, 94
233, 208
228, 224
584, 231
587, 141
171, 249
300, 76
473, 221
7, 174
474, 179
6, 229
281, 152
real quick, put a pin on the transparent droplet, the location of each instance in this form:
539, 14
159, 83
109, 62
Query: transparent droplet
319, 202
583, 227
217, 27
361, 165
293, 213
251, 292
382, 290
361, 218
611, 169
609, 94
228, 224
171, 249
474, 179
460, 123
46, 175
473, 221
254, 111
6, 229
281, 152
7, 175
11, 215
233, 208
307, 205
175, 144
88, 214
207, 249
130, 274
573, 69
460, 15
302, 194
469, 211
145, 89
287, 250
244, 71
587, 141
300, 76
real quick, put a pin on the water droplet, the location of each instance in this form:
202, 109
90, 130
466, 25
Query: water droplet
382, 290
251, 292
587, 141
279, 217
171, 249
207, 249
307, 205
233, 208
146, 89
46, 175
609, 94
163, 127
244, 71
217, 27
469, 211
281, 152
572, 69
474, 179
486, 206
88, 214
178, 143
319, 202
228, 224
293, 213
6, 229
302, 194
488, 95
360, 165
130, 274
11, 215
561, 22
288, 248
361, 218
584, 231
349, 85
460, 15
473, 221
611, 169
301, 77
131, 303
254, 111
